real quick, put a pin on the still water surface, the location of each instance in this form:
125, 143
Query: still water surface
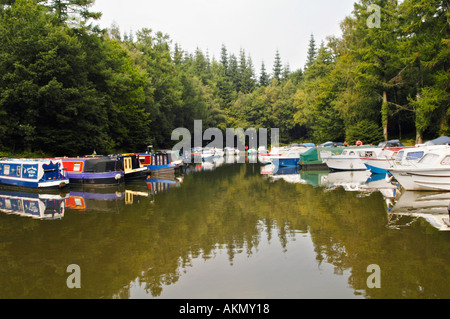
228, 230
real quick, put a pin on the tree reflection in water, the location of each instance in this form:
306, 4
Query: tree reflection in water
153, 239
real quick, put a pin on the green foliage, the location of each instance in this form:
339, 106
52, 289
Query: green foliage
67, 88
366, 131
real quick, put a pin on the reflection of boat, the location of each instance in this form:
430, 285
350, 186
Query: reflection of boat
314, 177
431, 172
432, 206
103, 199
349, 180
288, 174
33, 173
156, 186
34, 205
378, 182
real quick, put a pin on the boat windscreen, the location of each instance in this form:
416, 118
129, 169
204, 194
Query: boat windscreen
100, 165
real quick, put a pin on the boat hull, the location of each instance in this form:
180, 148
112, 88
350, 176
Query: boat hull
345, 164
96, 179
32, 184
422, 179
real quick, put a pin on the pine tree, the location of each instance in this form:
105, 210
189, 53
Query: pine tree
286, 72
65, 9
312, 52
277, 67
224, 58
264, 77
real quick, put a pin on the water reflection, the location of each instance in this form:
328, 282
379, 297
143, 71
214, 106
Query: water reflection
32, 204
235, 231
412, 206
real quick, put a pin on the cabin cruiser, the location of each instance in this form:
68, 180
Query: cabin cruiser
431, 172
351, 159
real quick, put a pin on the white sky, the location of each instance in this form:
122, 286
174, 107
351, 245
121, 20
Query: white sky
260, 27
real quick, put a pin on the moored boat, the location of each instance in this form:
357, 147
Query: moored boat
350, 159
34, 173
290, 156
312, 158
157, 163
131, 166
431, 172
93, 171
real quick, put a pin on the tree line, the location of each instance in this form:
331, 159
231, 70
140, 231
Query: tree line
68, 87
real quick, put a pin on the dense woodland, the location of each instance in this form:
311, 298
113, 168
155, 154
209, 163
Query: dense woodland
68, 87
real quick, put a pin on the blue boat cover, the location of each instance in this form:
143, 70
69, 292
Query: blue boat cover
443, 140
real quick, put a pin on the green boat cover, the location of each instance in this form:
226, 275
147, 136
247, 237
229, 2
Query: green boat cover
313, 154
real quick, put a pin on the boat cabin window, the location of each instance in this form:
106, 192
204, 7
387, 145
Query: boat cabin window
344, 153
100, 165
414, 156
429, 158
366, 154
6, 170
446, 160
77, 167
19, 169
351, 153
400, 156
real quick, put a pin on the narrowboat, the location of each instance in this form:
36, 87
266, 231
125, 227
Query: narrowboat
132, 167
34, 205
93, 171
34, 173
157, 162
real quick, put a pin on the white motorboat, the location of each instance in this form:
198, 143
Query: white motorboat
207, 153
431, 172
218, 152
380, 164
289, 157
265, 158
350, 159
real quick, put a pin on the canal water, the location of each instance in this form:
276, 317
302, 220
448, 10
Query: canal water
226, 230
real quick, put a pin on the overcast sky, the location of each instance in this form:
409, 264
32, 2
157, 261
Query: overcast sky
260, 27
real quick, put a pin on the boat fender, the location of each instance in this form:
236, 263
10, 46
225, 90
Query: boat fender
388, 178
117, 177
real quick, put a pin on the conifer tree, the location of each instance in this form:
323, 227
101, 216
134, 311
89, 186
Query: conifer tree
312, 52
264, 77
277, 67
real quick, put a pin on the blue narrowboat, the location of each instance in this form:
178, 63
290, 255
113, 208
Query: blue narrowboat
157, 162
34, 173
93, 171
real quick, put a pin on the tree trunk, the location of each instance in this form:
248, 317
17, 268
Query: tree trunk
384, 115
418, 132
